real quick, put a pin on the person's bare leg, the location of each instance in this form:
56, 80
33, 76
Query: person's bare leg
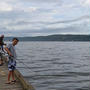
9, 75
0, 61
13, 76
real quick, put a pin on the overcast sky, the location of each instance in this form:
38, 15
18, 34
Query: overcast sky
44, 17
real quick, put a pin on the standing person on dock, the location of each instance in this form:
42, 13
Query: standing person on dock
1, 60
12, 59
1, 49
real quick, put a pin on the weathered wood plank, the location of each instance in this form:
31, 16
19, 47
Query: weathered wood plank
3, 80
21, 83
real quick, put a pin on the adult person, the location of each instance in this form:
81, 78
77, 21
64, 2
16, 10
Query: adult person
1, 48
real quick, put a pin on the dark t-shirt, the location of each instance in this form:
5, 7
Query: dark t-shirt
1, 41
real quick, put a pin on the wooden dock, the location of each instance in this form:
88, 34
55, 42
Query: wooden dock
21, 83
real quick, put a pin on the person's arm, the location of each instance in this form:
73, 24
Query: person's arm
3, 47
10, 54
3, 43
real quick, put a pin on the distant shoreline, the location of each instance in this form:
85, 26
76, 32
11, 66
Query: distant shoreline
58, 37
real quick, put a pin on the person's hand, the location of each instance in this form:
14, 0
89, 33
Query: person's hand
10, 54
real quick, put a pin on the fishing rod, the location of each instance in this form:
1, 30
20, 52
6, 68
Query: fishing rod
19, 61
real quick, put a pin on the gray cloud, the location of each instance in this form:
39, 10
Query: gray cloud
74, 20
28, 22
72, 29
43, 1
42, 17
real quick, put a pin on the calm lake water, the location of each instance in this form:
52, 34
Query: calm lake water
55, 65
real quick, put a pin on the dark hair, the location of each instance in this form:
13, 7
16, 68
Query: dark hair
15, 39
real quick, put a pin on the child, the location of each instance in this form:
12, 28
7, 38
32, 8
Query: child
12, 59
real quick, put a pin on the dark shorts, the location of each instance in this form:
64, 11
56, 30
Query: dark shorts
12, 68
11, 65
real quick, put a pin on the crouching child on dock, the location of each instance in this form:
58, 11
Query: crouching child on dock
12, 59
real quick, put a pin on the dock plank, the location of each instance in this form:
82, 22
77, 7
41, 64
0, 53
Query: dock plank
3, 80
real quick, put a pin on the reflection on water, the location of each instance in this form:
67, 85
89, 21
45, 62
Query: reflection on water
55, 65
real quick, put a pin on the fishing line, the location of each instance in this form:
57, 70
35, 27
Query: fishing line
26, 66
